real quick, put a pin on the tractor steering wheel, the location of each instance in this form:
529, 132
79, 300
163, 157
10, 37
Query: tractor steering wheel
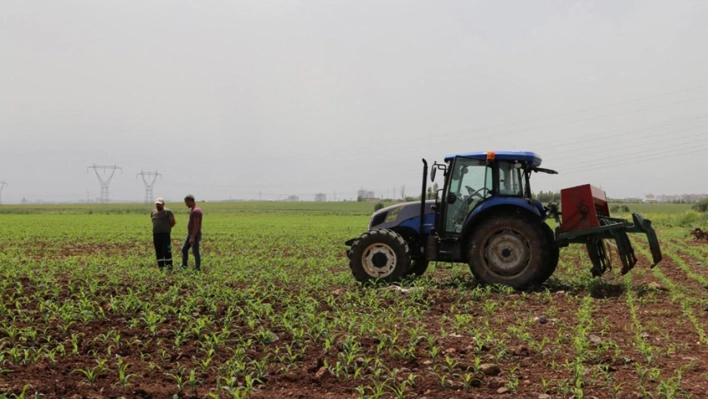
476, 193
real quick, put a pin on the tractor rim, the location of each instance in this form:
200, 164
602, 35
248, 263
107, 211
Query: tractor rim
507, 253
379, 260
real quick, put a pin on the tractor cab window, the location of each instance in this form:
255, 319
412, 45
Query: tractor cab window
470, 183
511, 179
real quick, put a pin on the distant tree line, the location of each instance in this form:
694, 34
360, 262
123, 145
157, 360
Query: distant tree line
619, 208
701, 206
548, 196
433, 191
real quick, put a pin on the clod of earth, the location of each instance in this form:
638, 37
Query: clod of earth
490, 369
495, 382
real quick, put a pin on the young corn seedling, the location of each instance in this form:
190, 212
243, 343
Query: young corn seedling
123, 375
378, 390
469, 381
260, 368
513, 383
434, 352
74, 344
206, 362
91, 374
442, 380
152, 320
450, 364
193, 381
178, 377
399, 390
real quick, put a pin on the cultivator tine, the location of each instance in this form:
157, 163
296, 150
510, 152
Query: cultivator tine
624, 247
645, 226
598, 257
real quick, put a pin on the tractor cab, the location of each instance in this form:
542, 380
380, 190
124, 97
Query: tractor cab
473, 179
476, 184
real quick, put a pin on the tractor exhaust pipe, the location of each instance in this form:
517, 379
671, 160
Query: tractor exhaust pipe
422, 197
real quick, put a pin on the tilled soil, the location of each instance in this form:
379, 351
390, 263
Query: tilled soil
640, 337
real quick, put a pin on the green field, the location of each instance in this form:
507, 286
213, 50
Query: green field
276, 313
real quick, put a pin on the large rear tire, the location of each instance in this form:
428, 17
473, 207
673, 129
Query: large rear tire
379, 254
552, 255
509, 249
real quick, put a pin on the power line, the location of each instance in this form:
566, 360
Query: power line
353, 152
587, 109
350, 149
104, 182
615, 147
648, 155
623, 132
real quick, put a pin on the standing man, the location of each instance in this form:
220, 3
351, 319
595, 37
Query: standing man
194, 233
162, 222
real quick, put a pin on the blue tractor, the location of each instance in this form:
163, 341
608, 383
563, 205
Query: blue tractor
485, 216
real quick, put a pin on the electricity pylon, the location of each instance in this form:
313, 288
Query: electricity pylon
2, 185
149, 179
104, 181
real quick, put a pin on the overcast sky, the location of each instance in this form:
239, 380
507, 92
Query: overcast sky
236, 99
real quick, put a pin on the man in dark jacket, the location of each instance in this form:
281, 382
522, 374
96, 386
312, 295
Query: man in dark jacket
162, 222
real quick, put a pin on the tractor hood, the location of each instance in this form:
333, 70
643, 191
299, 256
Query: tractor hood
406, 214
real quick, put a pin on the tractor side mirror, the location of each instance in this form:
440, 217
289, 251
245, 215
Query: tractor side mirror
434, 169
451, 198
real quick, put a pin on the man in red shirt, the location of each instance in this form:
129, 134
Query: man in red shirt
194, 233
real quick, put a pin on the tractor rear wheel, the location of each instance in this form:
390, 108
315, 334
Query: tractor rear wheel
553, 254
509, 249
379, 254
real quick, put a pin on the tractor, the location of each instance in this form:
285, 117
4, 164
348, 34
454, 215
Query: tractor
485, 216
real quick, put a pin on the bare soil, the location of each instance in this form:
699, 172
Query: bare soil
666, 326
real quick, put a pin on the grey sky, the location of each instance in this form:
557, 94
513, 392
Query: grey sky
234, 98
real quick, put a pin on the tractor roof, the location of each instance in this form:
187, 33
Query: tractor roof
522, 156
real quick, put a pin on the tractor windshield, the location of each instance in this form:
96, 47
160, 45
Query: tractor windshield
470, 183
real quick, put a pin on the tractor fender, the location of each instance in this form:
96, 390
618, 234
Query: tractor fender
496, 206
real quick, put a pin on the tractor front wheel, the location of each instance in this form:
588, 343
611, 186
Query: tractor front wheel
418, 268
379, 254
510, 249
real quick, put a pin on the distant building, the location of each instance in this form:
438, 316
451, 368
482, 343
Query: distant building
675, 198
320, 197
364, 195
